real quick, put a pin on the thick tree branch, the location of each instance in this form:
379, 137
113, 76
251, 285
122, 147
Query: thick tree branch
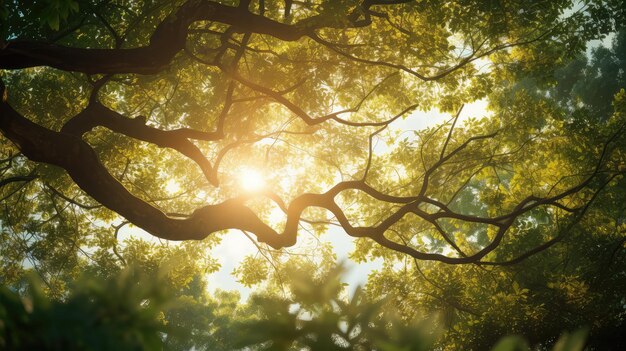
15, 179
167, 40
67, 149
98, 115
70, 152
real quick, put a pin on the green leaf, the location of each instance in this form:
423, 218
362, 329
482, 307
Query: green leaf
572, 342
511, 343
53, 21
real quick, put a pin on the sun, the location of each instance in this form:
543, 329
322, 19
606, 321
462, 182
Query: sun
172, 187
251, 180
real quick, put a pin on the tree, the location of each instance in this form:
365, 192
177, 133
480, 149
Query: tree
211, 80
149, 112
577, 283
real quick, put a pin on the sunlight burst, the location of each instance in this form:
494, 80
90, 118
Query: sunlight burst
251, 180
172, 187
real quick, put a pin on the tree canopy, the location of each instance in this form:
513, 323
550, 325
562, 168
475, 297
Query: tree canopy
191, 118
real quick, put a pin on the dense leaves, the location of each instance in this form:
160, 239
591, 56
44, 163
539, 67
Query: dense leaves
129, 125
577, 282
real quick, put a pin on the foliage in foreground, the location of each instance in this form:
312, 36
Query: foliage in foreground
133, 311
97, 315
552, 121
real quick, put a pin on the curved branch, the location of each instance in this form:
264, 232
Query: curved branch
558, 238
15, 179
311, 121
70, 200
166, 41
97, 114
80, 161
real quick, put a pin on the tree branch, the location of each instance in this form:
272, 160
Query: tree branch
97, 114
